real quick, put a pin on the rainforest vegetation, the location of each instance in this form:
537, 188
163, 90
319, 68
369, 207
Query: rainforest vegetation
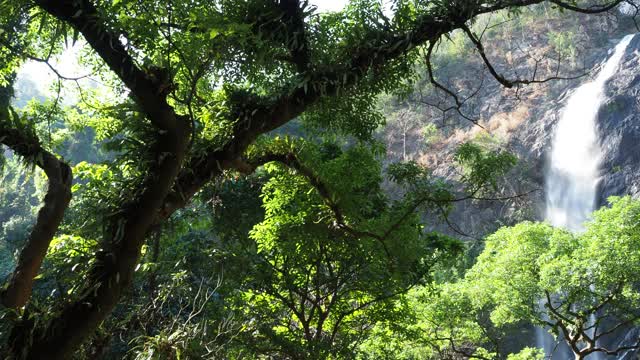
233, 179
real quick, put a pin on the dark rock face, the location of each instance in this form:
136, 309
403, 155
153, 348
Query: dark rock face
619, 125
531, 141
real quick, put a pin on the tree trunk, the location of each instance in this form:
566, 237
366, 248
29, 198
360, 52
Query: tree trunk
155, 255
404, 145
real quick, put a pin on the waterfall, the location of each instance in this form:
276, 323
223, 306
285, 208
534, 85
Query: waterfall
573, 174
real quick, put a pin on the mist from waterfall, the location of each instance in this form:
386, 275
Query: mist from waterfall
573, 174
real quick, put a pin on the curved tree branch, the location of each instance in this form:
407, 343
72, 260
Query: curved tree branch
594, 9
499, 77
18, 289
146, 86
270, 114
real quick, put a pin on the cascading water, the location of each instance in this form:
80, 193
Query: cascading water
573, 174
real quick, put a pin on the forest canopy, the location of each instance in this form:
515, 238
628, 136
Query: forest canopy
214, 187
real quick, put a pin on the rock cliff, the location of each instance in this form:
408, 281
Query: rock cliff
522, 120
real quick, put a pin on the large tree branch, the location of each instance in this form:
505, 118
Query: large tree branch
508, 83
146, 86
593, 9
263, 115
18, 289
114, 264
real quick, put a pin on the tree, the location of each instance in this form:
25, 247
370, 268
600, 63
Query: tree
197, 84
318, 286
404, 122
583, 287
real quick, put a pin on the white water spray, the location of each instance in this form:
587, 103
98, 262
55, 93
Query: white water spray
573, 175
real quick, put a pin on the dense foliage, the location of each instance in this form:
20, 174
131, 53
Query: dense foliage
215, 188
582, 287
